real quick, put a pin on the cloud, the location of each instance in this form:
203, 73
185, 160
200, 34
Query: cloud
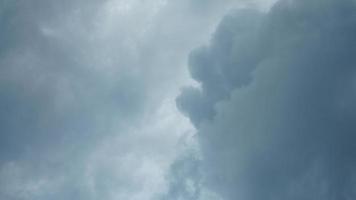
86, 95
275, 110
214, 66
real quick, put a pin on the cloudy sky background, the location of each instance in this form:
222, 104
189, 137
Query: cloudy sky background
177, 100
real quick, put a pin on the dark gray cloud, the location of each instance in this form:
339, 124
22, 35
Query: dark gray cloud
214, 66
276, 108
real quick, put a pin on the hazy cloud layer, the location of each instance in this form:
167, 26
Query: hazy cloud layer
87, 94
276, 109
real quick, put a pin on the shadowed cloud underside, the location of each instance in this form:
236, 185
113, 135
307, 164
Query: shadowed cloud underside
276, 109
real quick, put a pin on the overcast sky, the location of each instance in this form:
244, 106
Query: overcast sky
177, 99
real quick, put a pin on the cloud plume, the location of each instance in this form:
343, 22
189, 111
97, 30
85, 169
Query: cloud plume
276, 108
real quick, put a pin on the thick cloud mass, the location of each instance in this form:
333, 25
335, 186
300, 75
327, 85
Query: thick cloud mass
215, 66
276, 109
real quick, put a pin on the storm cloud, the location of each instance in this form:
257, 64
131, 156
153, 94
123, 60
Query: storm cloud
89, 106
275, 107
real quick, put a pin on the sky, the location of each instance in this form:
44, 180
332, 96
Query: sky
177, 99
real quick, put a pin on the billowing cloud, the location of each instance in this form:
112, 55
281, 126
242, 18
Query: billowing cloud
275, 109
